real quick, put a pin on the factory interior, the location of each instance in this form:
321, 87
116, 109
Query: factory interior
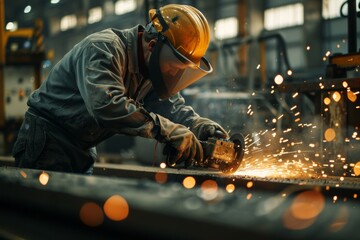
286, 76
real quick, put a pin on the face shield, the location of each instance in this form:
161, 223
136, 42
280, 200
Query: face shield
170, 71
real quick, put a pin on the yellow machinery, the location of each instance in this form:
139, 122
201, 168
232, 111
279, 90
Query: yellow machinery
20, 73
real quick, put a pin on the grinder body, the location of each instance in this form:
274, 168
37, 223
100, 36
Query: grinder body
225, 154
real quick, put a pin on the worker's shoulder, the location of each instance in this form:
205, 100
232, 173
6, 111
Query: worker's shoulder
106, 35
112, 34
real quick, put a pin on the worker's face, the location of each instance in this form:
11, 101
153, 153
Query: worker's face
171, 69
171, 72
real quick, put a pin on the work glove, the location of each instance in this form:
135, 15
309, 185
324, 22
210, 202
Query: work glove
181, 144
204, 128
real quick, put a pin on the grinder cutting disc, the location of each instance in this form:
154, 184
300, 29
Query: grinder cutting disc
239, 145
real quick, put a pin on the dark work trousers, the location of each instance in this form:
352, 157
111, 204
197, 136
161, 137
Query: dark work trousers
42, 145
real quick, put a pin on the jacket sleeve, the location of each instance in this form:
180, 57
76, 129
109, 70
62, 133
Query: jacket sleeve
100, 71
173, 108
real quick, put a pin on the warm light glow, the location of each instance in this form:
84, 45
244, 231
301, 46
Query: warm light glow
23, 174
189, 182
116, 208
327, 101
336, 96
292, 223
304, 209
230, 188
209, 185
91, 214
209, 190
278, 79
44, 178
162, 165
351, 96
161, 177
330, 134
249, 184
357, 169
307, 205
248, 196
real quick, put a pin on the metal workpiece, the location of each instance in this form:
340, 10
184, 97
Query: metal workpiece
150, 202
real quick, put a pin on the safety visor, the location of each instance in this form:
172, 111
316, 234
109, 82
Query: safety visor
170, 71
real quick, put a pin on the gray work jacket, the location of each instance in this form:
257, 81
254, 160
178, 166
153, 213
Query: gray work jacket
96, 91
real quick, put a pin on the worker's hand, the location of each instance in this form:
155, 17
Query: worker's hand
181, 144
204, 128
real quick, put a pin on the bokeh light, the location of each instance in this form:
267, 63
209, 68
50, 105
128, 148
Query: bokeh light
209, 190
230, 188
292, 223
327, 101
23, 174
304, 209
307, 205
278, 79
330, 134
249, 184
44, 178
351, 96
357, 169
336, 96
189, 182
161, 177
116, 208
162, 165
91, 214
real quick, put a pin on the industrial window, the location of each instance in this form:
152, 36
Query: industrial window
124, 6
95, 15
284, 16
226, 28
67, 22
331, 8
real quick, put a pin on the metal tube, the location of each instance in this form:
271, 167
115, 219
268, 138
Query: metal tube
352, 30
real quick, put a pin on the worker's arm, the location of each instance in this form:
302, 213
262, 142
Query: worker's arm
177, 111
100, 71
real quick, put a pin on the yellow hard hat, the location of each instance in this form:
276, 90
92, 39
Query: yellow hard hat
185, 27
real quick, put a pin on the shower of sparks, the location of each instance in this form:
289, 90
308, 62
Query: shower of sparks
297, 151
261, 160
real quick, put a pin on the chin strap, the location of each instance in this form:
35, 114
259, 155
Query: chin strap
164, 25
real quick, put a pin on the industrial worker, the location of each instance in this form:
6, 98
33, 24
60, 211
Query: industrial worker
121, 82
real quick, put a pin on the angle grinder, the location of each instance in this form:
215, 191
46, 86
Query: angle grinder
221, 153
